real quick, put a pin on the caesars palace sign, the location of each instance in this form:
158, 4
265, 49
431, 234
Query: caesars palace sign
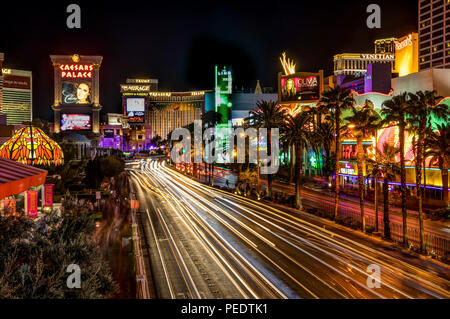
76, 71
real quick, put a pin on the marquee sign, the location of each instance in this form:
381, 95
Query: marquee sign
76, 71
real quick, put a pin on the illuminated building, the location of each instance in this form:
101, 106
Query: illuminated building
76, 103
434, 34
385, 45
356, 64
111, 131
31, 146
171, 110
433, 79
377, 79
2, 58
407, 54
17, 96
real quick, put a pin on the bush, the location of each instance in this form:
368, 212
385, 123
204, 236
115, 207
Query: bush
34, 257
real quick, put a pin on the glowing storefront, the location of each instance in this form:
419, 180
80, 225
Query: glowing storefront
348, 164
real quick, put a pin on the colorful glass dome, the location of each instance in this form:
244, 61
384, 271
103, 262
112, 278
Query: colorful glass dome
30, 145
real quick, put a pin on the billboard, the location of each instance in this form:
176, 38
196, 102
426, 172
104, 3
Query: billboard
76, 92
299, 87
135, 110
407, 54
75, 122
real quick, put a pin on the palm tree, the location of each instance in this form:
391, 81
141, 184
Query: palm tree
211, 119
384, 166
267, 115
363, 124
419, 120
395, 112
298, 135
437, 146
336, 100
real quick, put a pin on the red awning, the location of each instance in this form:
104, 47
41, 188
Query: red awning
16, 178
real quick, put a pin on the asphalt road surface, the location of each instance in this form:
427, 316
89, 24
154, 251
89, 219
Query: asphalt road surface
206, 243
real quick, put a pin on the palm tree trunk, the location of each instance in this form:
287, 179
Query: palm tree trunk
419, 189
298, 167
338, 157
444, 176
424, 177
292, 164
361, 181
269, 151
403, 183
376, 204
258, 178
387, 227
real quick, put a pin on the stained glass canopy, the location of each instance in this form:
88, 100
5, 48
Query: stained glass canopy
31, 146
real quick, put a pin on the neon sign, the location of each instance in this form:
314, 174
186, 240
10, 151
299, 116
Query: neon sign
135, 88
76, 71
347, 169
378, 56
403, 44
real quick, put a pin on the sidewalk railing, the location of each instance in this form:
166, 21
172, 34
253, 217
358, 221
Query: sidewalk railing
434, 244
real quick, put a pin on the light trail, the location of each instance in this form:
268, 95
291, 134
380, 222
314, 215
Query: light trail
201, 207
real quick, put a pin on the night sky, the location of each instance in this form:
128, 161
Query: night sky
179, 42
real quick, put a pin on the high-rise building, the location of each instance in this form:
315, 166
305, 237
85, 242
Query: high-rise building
434, 34
385, 45
171, 110
2, 58
16, 98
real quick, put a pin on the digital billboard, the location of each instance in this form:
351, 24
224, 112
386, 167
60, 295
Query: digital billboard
135, 110
297, 88
75, 122
76, 92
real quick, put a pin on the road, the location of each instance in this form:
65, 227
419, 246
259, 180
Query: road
205, 243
